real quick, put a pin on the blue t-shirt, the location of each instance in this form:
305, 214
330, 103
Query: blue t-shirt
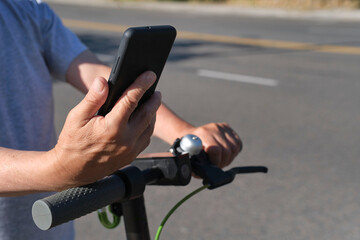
34, 46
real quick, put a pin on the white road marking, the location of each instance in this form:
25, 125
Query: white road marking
237, 78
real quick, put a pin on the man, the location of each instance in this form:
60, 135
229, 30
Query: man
34, 46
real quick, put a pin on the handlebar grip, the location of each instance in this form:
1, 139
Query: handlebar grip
76, 202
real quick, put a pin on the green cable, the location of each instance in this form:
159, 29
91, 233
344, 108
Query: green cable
157, 237
104, 220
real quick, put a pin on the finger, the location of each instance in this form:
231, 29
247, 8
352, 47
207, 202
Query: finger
238, 141
233, 138
235, 142
230, 149
214, 154
223, 150
231, 142
144, 139
225, 154
131, 97
92, 101
143, 117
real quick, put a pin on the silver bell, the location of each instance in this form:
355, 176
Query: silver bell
191, 144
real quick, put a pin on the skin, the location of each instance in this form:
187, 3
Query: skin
220, 141
105, 144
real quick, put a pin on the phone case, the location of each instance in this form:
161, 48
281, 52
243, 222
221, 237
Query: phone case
141, 49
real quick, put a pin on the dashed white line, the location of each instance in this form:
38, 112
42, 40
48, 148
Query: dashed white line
237, 78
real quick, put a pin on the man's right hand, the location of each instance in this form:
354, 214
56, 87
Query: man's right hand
91, 147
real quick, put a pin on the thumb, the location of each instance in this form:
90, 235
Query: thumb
93, 100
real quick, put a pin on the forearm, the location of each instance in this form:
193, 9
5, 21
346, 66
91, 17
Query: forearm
103, 144
221, 143
219, 140
25, 172
170, 126
84, 69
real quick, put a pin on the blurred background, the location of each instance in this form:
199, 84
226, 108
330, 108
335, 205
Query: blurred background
285, 75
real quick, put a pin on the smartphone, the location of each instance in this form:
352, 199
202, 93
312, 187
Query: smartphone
141, 49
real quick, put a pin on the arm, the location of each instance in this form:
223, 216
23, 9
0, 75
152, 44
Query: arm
220, 141
83, 70
23, 172
89, 147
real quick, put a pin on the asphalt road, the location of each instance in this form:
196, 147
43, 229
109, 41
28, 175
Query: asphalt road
296, 109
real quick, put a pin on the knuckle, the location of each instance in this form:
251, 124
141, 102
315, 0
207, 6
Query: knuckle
225, 124
149, 119
112, 130
91, 98
216, 126
130, 102
72, 114
148, 115
112, 134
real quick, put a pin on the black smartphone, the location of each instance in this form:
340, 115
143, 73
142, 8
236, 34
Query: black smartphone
141, 49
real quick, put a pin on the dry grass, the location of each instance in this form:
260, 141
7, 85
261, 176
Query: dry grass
298, 4
285, 4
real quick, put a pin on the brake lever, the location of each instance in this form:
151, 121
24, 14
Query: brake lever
216, 177
212, 175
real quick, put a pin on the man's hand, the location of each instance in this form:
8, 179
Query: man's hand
91, 147
220, 142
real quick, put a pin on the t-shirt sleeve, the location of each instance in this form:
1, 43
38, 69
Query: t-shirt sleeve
60, 45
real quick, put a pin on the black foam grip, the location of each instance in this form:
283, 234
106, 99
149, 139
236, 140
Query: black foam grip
76, 202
